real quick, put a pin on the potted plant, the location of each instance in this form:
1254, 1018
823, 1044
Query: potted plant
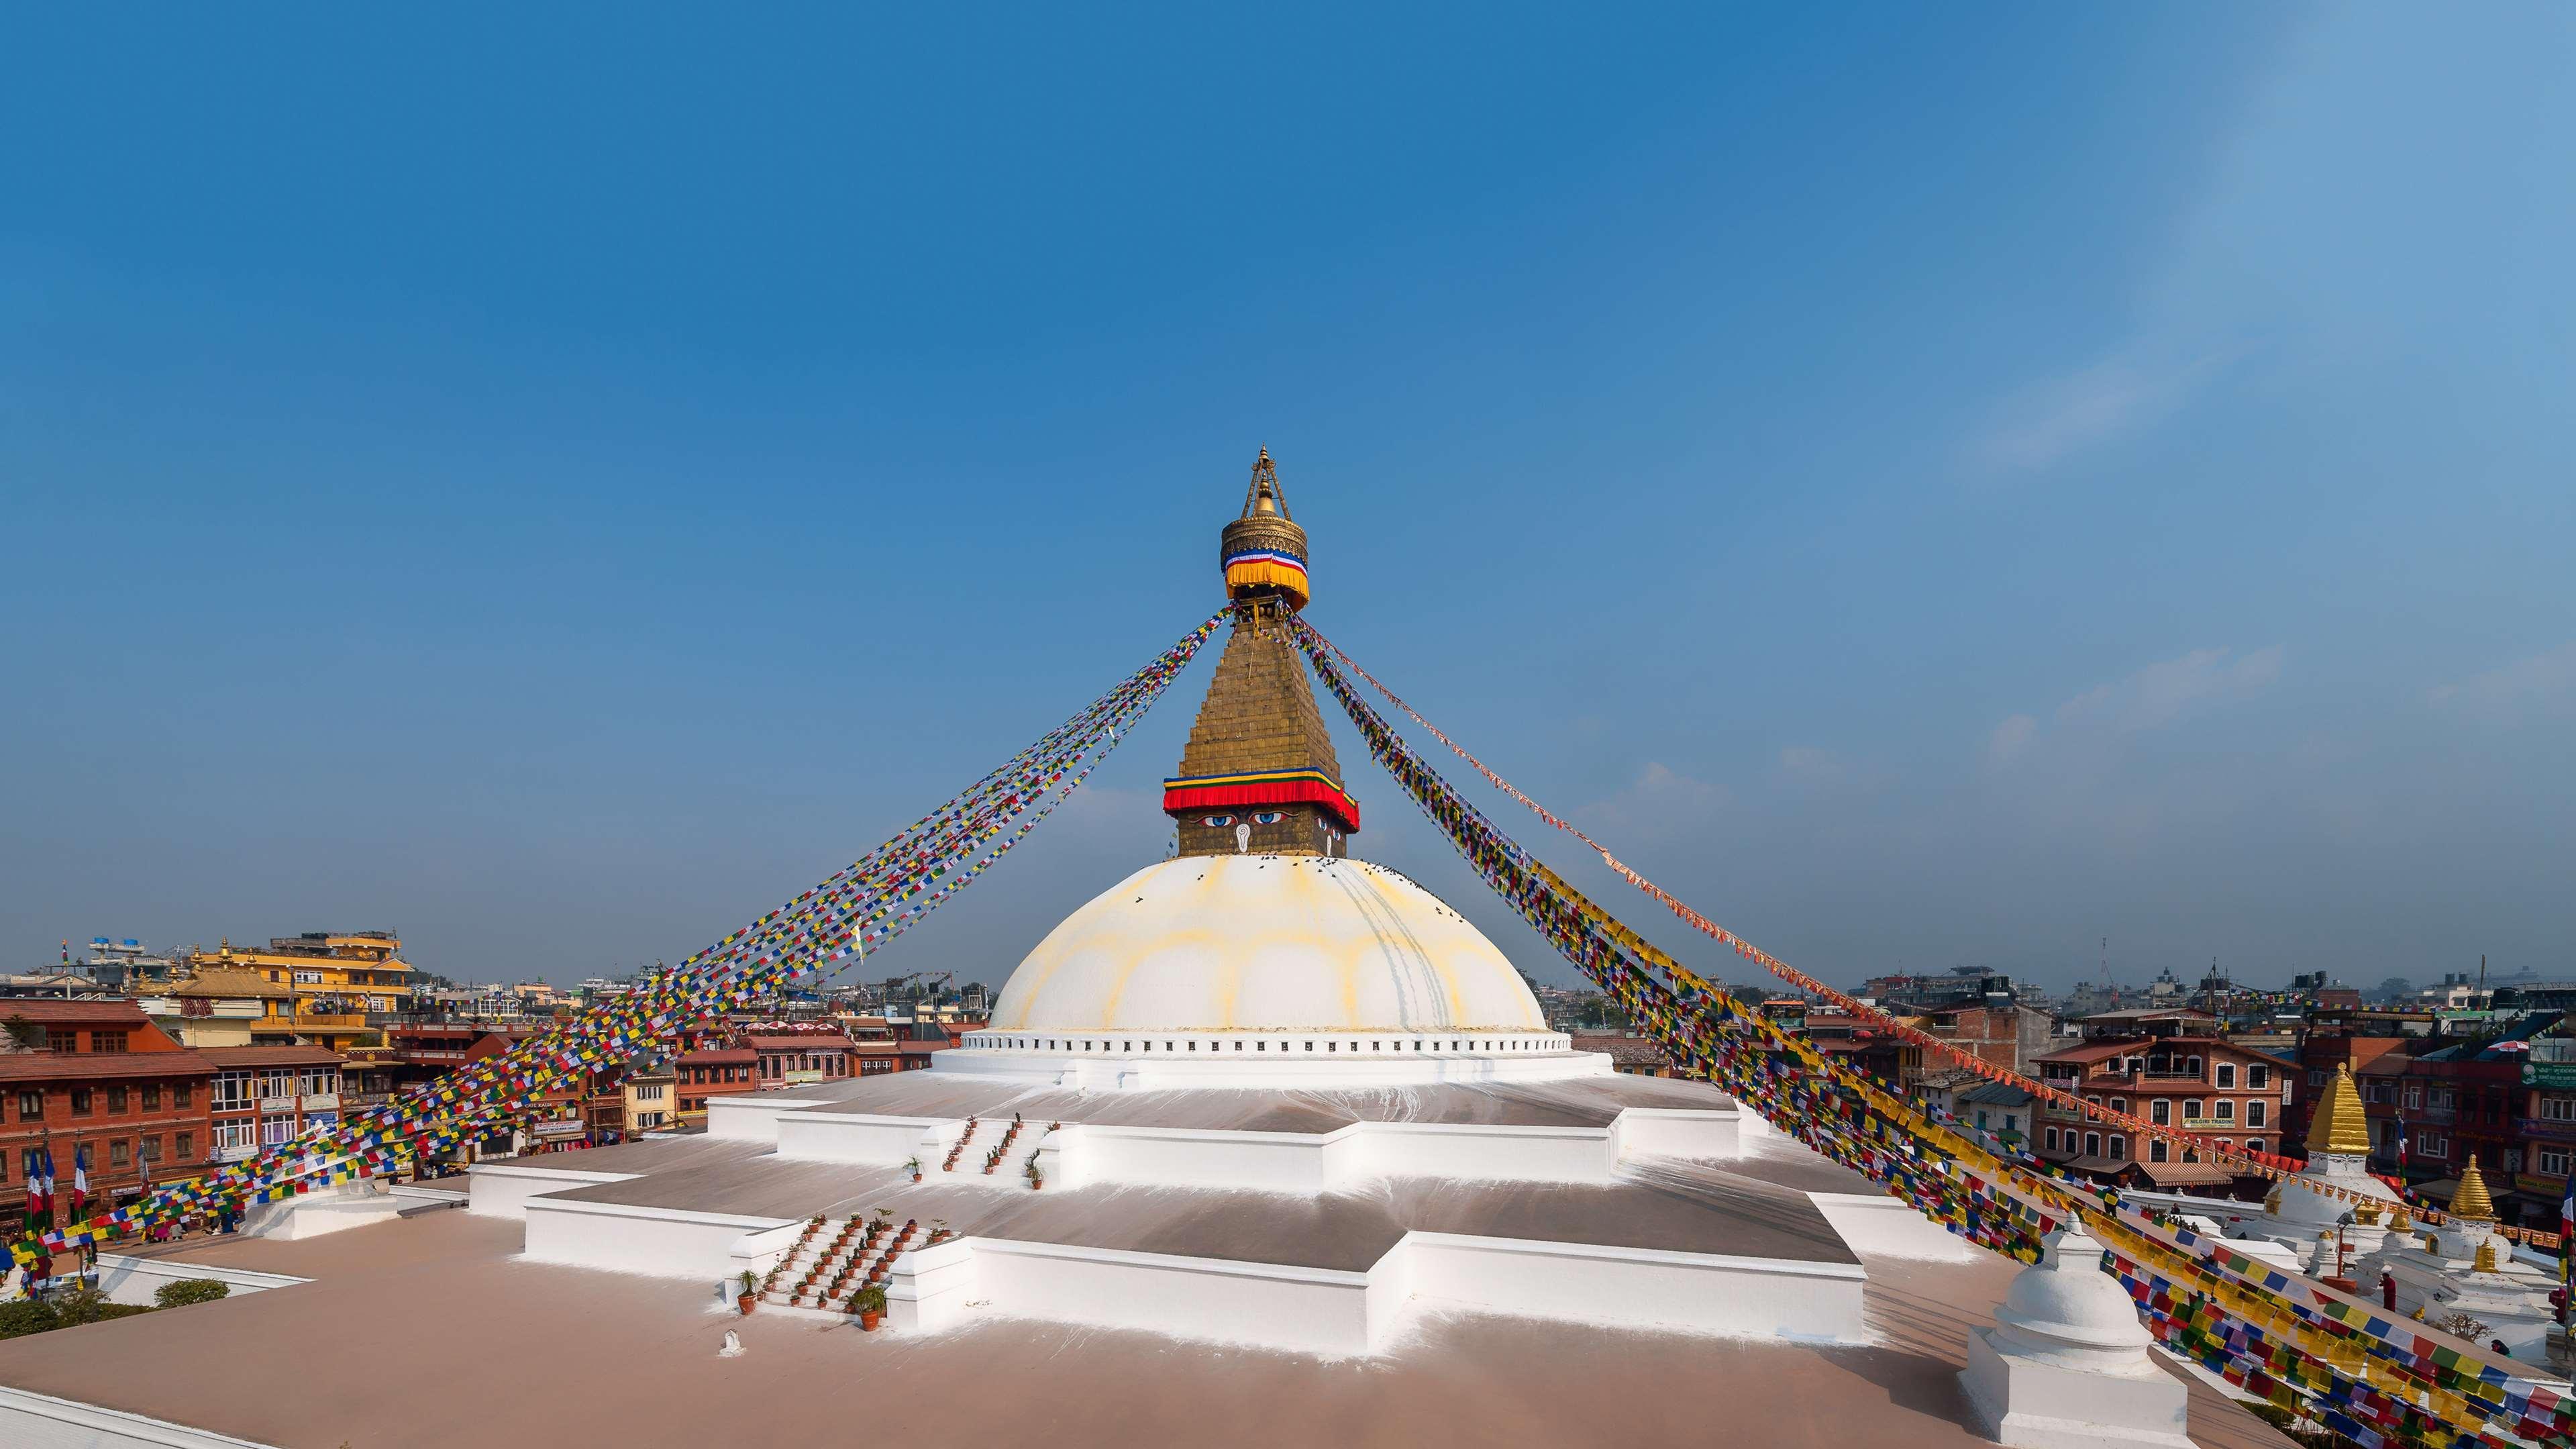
870, 1303
750, 1288
1036, 1179
914, 1167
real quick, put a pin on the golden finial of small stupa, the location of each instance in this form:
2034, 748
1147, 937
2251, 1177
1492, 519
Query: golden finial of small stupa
2471, 1204
2486, 1259
2366, 1213
2272, 1199
2340, 1128
2404, 1222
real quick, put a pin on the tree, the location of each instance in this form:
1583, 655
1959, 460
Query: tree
25, 1033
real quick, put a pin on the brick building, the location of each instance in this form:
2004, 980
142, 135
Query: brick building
97, 1074
2196, 1083
265, 1095
712, 1072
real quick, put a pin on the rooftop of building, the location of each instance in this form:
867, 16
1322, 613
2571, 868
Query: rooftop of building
101, 1066
237, 1057
221, 981
111, 1011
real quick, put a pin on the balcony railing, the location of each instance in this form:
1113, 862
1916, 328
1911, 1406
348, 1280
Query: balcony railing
2547, 1129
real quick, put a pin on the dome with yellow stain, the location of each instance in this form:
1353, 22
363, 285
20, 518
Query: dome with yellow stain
1262, 943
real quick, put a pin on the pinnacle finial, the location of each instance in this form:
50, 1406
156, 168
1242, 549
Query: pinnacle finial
2340, 1127
2471, 1204
1263, 552
1263, 497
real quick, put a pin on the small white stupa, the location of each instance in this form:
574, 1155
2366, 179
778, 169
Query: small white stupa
2338, 1160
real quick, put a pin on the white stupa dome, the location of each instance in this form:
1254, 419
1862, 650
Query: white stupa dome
1266, 943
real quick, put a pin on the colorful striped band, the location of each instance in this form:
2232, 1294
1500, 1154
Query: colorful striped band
1269, 787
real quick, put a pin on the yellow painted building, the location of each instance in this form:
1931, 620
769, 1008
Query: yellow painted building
337, 979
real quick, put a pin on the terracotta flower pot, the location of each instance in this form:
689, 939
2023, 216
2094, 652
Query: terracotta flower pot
744, 1302
868, 1321
916, 1177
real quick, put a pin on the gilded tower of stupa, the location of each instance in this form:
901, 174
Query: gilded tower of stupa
1258, 775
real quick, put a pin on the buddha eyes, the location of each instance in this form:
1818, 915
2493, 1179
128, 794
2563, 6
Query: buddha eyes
1268, 817
1217, 822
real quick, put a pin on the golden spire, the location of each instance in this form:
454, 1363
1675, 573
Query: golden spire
2471, 1204
2340, 1126
1263, 553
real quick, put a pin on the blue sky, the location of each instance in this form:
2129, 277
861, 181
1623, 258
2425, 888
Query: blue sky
1931, 487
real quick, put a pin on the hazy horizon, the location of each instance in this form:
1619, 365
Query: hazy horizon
1928, 488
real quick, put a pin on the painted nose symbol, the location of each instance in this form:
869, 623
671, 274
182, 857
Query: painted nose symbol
1242, 839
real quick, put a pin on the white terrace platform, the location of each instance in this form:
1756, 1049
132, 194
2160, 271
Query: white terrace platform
1313, 1220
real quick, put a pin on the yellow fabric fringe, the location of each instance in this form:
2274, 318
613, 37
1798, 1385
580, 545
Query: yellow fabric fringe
1263, 571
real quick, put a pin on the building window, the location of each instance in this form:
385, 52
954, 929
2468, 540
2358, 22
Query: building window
2156, 1149
115, 1101
181, 1093
2227, 1074
152, 1097
2160, 1112
2119, 1148
186, 1147
2048, 1138
2558, 1109
2191, 1109
2553, 1161
238, 1135
276, 1128
31, 1106
107, 1041
150, 1148
2258, 1076
2226, 1109
2120, 1105
2253, 1144
232, 1091
116, 1153
2092, 1144
61, 1039
27, 1163
2258, 1113
80, 1101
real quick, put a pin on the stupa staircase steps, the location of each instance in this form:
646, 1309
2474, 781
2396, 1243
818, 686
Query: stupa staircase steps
841, 1251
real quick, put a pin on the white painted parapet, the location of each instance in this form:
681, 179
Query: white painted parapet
930, 1287
352, 1205
1875, 1225
1711, 1134
861, 1138
502, 1189
41, 1421
749, 1117
1339, 1311
659, 1241
2066, 1363
134, 1280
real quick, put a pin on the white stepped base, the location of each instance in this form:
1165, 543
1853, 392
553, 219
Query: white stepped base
1344, 1313
2028, 1403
